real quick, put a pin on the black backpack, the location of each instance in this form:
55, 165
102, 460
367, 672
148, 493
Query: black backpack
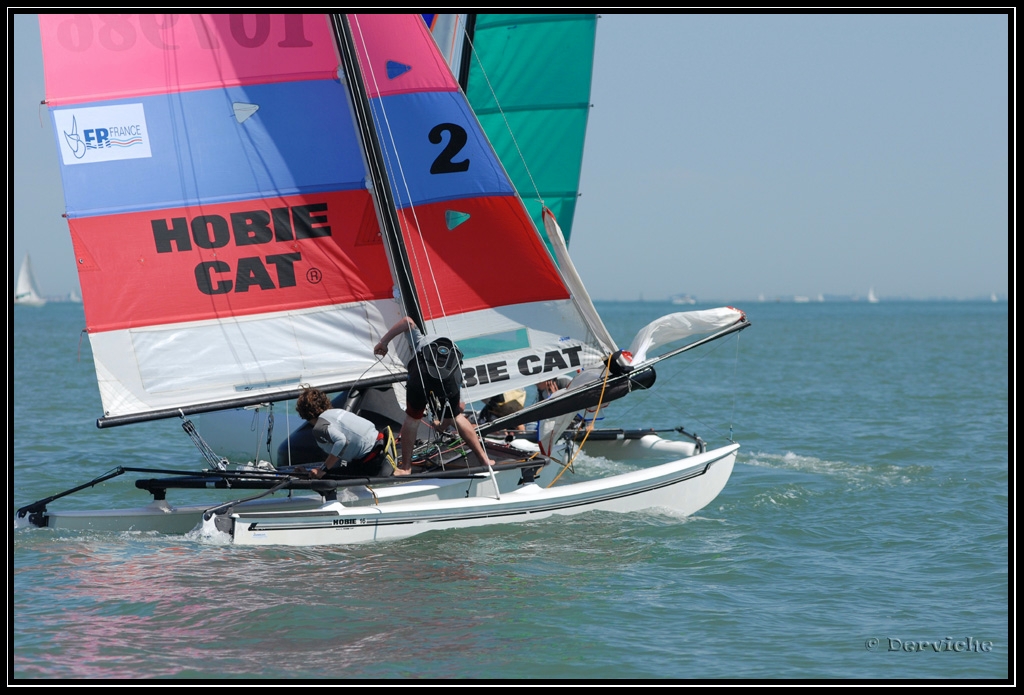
439, 359
439, 363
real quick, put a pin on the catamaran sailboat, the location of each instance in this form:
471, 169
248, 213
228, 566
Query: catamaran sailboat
303, 182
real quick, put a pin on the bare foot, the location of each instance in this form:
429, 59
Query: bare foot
403, 471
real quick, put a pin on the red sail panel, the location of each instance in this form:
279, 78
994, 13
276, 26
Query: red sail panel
477, 253
231, 259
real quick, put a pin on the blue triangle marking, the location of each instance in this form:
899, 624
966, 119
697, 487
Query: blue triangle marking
395, 69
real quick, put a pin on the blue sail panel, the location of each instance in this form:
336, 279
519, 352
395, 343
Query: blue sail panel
209, 146
436, 149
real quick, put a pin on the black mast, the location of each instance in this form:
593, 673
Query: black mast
387, 216
467, 52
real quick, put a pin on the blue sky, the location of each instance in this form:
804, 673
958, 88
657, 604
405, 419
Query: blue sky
730, 156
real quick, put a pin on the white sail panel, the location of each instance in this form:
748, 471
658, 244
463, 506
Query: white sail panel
221, 361
518, 346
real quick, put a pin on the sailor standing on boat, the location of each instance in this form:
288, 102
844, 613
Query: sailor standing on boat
423, 385
353, 445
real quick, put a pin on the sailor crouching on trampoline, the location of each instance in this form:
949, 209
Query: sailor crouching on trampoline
352, 443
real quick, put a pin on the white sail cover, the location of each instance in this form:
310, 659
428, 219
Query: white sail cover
575, 283
675, 327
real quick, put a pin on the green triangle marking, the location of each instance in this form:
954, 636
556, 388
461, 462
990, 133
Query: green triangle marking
454, 218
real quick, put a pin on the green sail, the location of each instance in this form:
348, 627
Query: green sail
539, 68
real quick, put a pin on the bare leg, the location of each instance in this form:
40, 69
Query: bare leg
409, 429
468, 433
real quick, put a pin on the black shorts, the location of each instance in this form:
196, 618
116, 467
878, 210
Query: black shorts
423, 389
366, 467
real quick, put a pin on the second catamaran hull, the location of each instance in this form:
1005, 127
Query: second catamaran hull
240, 435
683, 486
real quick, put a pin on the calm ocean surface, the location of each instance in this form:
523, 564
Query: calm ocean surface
863, 534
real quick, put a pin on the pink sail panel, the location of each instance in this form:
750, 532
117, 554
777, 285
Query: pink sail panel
396, 59
231, 259
90, 57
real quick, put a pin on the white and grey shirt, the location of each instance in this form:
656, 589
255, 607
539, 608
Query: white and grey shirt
345, 434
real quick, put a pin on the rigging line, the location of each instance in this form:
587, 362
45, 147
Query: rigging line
396, 174
590, 426
735, 385
227, 506
216, 462
671, 404
674, 404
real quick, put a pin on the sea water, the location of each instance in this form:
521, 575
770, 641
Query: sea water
863, 534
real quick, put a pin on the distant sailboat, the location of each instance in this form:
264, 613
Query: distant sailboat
75, 297
26, 292
871, 296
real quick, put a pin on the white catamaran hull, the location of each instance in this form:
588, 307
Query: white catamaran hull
683, 486
160, 516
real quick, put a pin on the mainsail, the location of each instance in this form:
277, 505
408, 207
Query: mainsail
226, 225
221, 260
